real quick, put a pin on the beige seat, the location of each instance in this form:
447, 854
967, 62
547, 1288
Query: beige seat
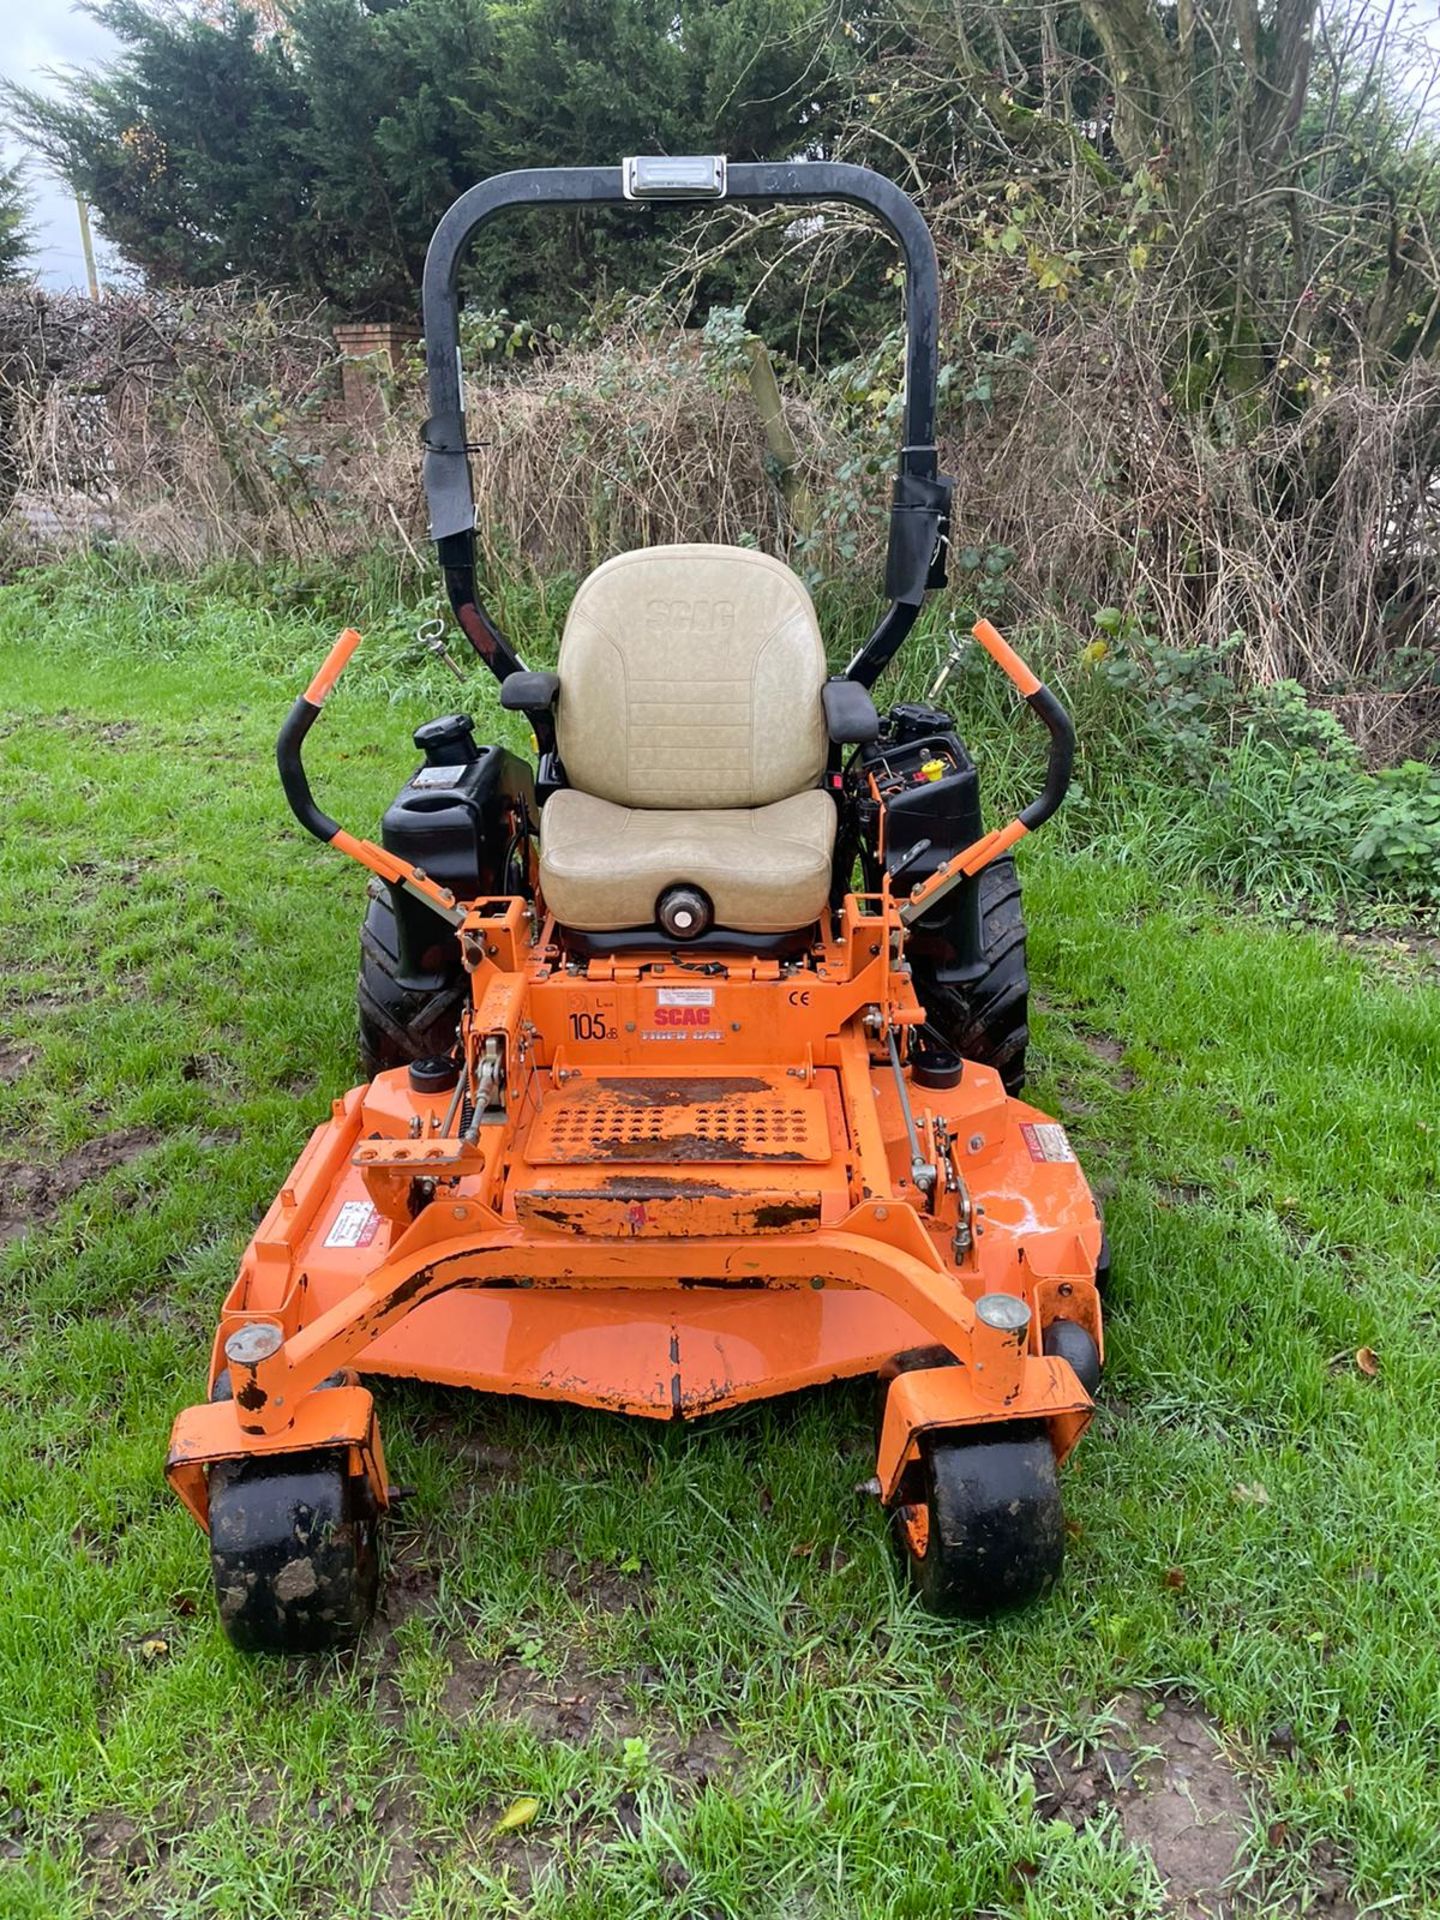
689, 723
765, 869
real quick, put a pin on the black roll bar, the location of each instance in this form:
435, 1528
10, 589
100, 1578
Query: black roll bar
919, 514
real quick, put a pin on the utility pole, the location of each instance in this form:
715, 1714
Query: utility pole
88, 244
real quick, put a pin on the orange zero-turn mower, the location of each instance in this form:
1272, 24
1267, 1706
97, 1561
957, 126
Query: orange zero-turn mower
664, 1112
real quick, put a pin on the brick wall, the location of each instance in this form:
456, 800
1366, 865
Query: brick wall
361, 344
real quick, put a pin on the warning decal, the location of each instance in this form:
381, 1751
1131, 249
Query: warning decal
1047, 1140
356, 1225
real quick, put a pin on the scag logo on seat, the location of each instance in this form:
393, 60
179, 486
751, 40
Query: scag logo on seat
713, 617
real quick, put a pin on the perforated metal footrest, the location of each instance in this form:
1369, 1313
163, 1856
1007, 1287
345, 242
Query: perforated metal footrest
715, 1120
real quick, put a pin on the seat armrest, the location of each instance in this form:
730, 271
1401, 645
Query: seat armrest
531, 693
850, 716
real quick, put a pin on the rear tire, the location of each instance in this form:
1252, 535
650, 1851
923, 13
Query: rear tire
399, 1022
988, 1019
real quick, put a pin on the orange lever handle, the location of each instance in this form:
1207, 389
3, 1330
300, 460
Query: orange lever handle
334, 665
1006, 658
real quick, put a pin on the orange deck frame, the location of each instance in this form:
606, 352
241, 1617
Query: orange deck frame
695, 1188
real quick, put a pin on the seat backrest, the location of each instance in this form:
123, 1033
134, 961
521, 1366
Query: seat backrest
690, 676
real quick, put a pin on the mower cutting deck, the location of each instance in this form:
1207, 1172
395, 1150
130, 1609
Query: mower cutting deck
676, 1117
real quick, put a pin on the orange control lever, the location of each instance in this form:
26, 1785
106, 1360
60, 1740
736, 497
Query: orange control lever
302, 716
929, 893
1004, 656
336, 662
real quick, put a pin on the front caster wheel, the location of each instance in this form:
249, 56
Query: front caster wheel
293, 1551
1067, 1340
983, 1531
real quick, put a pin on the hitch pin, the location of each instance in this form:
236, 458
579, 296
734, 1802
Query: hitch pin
431, 635
958, 643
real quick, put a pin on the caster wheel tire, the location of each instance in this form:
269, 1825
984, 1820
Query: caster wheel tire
293, 1551
1067, 1340
985, 1532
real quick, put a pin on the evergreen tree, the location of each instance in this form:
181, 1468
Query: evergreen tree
318, 156
15, 235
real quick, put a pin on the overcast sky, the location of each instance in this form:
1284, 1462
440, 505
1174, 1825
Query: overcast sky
36, 35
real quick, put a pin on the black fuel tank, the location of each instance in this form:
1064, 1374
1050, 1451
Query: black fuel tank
464, 817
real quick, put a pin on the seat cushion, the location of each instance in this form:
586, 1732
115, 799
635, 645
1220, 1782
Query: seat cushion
691, 676
765, 869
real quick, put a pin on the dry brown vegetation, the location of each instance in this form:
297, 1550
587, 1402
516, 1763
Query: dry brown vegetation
634, 442
212, 426
191, 426
1317, 538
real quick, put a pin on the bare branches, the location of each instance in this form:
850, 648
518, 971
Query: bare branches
1316, 540
195, 424
640, 441
211, 426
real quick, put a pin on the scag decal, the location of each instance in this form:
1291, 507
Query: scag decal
355, 1225
684, 1006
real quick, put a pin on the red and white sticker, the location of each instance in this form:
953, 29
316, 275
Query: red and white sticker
355, 1225
684, 996
1047, 1140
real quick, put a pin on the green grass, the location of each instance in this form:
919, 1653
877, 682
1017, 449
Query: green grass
689, 1645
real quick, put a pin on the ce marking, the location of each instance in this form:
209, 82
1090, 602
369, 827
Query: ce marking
800, 996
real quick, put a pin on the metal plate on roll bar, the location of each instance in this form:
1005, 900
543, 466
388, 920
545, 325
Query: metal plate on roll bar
681, 176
